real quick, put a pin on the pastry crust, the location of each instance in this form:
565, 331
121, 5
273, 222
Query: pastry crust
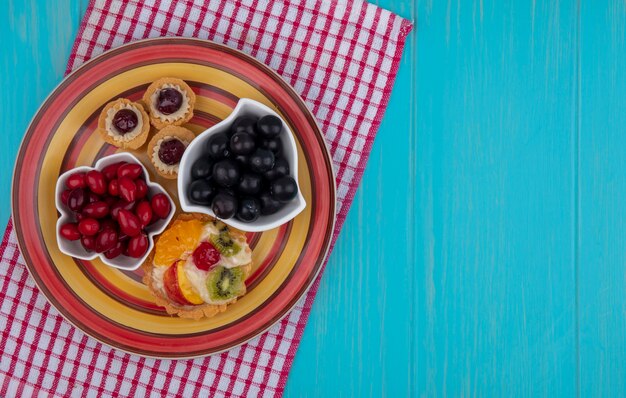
190, 311
118, 104
158, 122
183, 134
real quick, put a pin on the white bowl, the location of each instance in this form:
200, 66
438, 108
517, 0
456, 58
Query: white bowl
196, 149
75, 248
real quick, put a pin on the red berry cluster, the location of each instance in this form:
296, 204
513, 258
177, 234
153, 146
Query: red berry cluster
112, 209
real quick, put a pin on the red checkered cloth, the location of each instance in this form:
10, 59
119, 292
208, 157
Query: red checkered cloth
341, 57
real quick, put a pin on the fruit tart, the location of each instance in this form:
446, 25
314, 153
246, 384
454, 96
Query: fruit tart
166, 149
124, 124
198, 267
170, 101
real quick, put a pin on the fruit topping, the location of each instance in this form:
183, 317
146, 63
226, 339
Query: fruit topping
225, 244
171, 285
169, 101
181, 237
171, 151
125, 121
186, 288
225, 284
205, 256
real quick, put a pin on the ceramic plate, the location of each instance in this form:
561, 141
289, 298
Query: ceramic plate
113, 306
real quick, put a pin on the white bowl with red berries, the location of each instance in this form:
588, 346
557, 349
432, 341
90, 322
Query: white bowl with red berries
111, 211
243, 170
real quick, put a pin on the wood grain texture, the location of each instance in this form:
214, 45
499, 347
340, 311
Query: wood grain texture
602, 220
496, 191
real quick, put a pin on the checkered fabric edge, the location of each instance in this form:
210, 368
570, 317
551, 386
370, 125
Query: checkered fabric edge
342, 58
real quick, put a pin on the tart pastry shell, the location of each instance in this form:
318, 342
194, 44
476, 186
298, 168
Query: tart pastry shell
119, 104
157, 85
183, 134
189, 311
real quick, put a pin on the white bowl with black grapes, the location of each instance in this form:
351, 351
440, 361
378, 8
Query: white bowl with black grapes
243, 170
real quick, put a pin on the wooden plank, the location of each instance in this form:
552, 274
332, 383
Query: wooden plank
495, 198
602, 190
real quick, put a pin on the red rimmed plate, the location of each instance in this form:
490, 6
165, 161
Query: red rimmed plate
114, 306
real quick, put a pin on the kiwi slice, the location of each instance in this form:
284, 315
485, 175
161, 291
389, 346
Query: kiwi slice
225, 283
225, 244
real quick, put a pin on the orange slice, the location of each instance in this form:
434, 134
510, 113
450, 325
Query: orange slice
180, 238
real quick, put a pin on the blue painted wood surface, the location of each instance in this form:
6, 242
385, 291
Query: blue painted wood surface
483, 254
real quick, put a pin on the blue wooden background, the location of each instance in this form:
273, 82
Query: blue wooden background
484, 253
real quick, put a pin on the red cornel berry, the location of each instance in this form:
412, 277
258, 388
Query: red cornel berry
161, 205
110, 171
70, 231
96, 182
205, 256
137, 246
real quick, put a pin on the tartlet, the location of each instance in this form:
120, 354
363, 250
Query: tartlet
124, 124
183, 282
166, 149
170, 102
